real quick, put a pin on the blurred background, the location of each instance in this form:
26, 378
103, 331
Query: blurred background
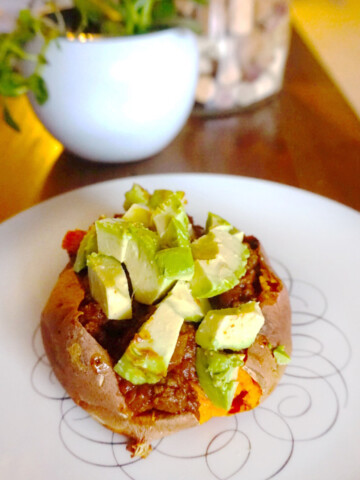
331, 28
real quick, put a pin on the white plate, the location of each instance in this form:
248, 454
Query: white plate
308, 429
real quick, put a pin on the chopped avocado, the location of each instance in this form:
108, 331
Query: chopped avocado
88, 245
175, 263
215, 221
109, 286
148, 355
220, 262
281, 357
147, 281
205, 248
138, 214
113, 237
136, 246
182, 301
170, 208
230, 328
218, 373
161, 196
137, 194
176, 234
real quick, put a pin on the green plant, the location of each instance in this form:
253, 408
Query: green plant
105, 17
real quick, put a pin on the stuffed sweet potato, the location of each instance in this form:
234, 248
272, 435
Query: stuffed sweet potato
157, 325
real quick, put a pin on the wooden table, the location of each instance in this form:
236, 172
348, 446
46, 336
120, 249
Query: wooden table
307, 137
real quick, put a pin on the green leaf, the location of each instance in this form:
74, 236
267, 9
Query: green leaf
112, 28
41, 59
9, 119
38, 87
164, 10
12, 84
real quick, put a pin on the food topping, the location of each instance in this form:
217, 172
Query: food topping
230, 328
175, 392
147, 357
136, 246
217, 373
258, 282
174, 285
109, 286
87, 246
182, 301
281, 357
220, 261
72, 240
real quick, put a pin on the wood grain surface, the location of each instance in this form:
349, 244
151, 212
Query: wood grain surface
307, 137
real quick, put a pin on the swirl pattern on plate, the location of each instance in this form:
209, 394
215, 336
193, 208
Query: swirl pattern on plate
229, 447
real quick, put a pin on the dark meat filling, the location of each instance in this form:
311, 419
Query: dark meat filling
258, 283
175, 393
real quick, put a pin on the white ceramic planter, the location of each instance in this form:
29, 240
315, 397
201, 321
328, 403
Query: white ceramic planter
119, 99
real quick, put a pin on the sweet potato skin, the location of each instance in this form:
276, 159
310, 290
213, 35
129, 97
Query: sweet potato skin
261, 364
85, 371
84, 368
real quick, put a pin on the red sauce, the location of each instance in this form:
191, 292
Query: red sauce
72, 240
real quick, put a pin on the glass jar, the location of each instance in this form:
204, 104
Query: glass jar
243, 51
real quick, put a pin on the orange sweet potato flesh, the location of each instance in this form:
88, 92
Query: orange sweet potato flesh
84, 367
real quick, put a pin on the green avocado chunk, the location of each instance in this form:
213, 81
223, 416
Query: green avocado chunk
171, 207
162, 196
281, 357
182, 301
230, 328
135, 246
176, 234
220, 261
138, 214
215, 221
218, 373
87, 245
113, 237
136, 194
175, 263
148, 355
109, 286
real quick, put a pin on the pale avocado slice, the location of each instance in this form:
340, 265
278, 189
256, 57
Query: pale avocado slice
88, 245
281, 357
136, 194
217, 373
135, 246
109, 286
175, 263
182, 301
215, 221
113, 236
161, 196
170, 207
177, 234
148, 355
220, 262
139, 214
230, 328
148, 283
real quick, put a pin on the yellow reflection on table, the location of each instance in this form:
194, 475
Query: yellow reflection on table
26, 158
